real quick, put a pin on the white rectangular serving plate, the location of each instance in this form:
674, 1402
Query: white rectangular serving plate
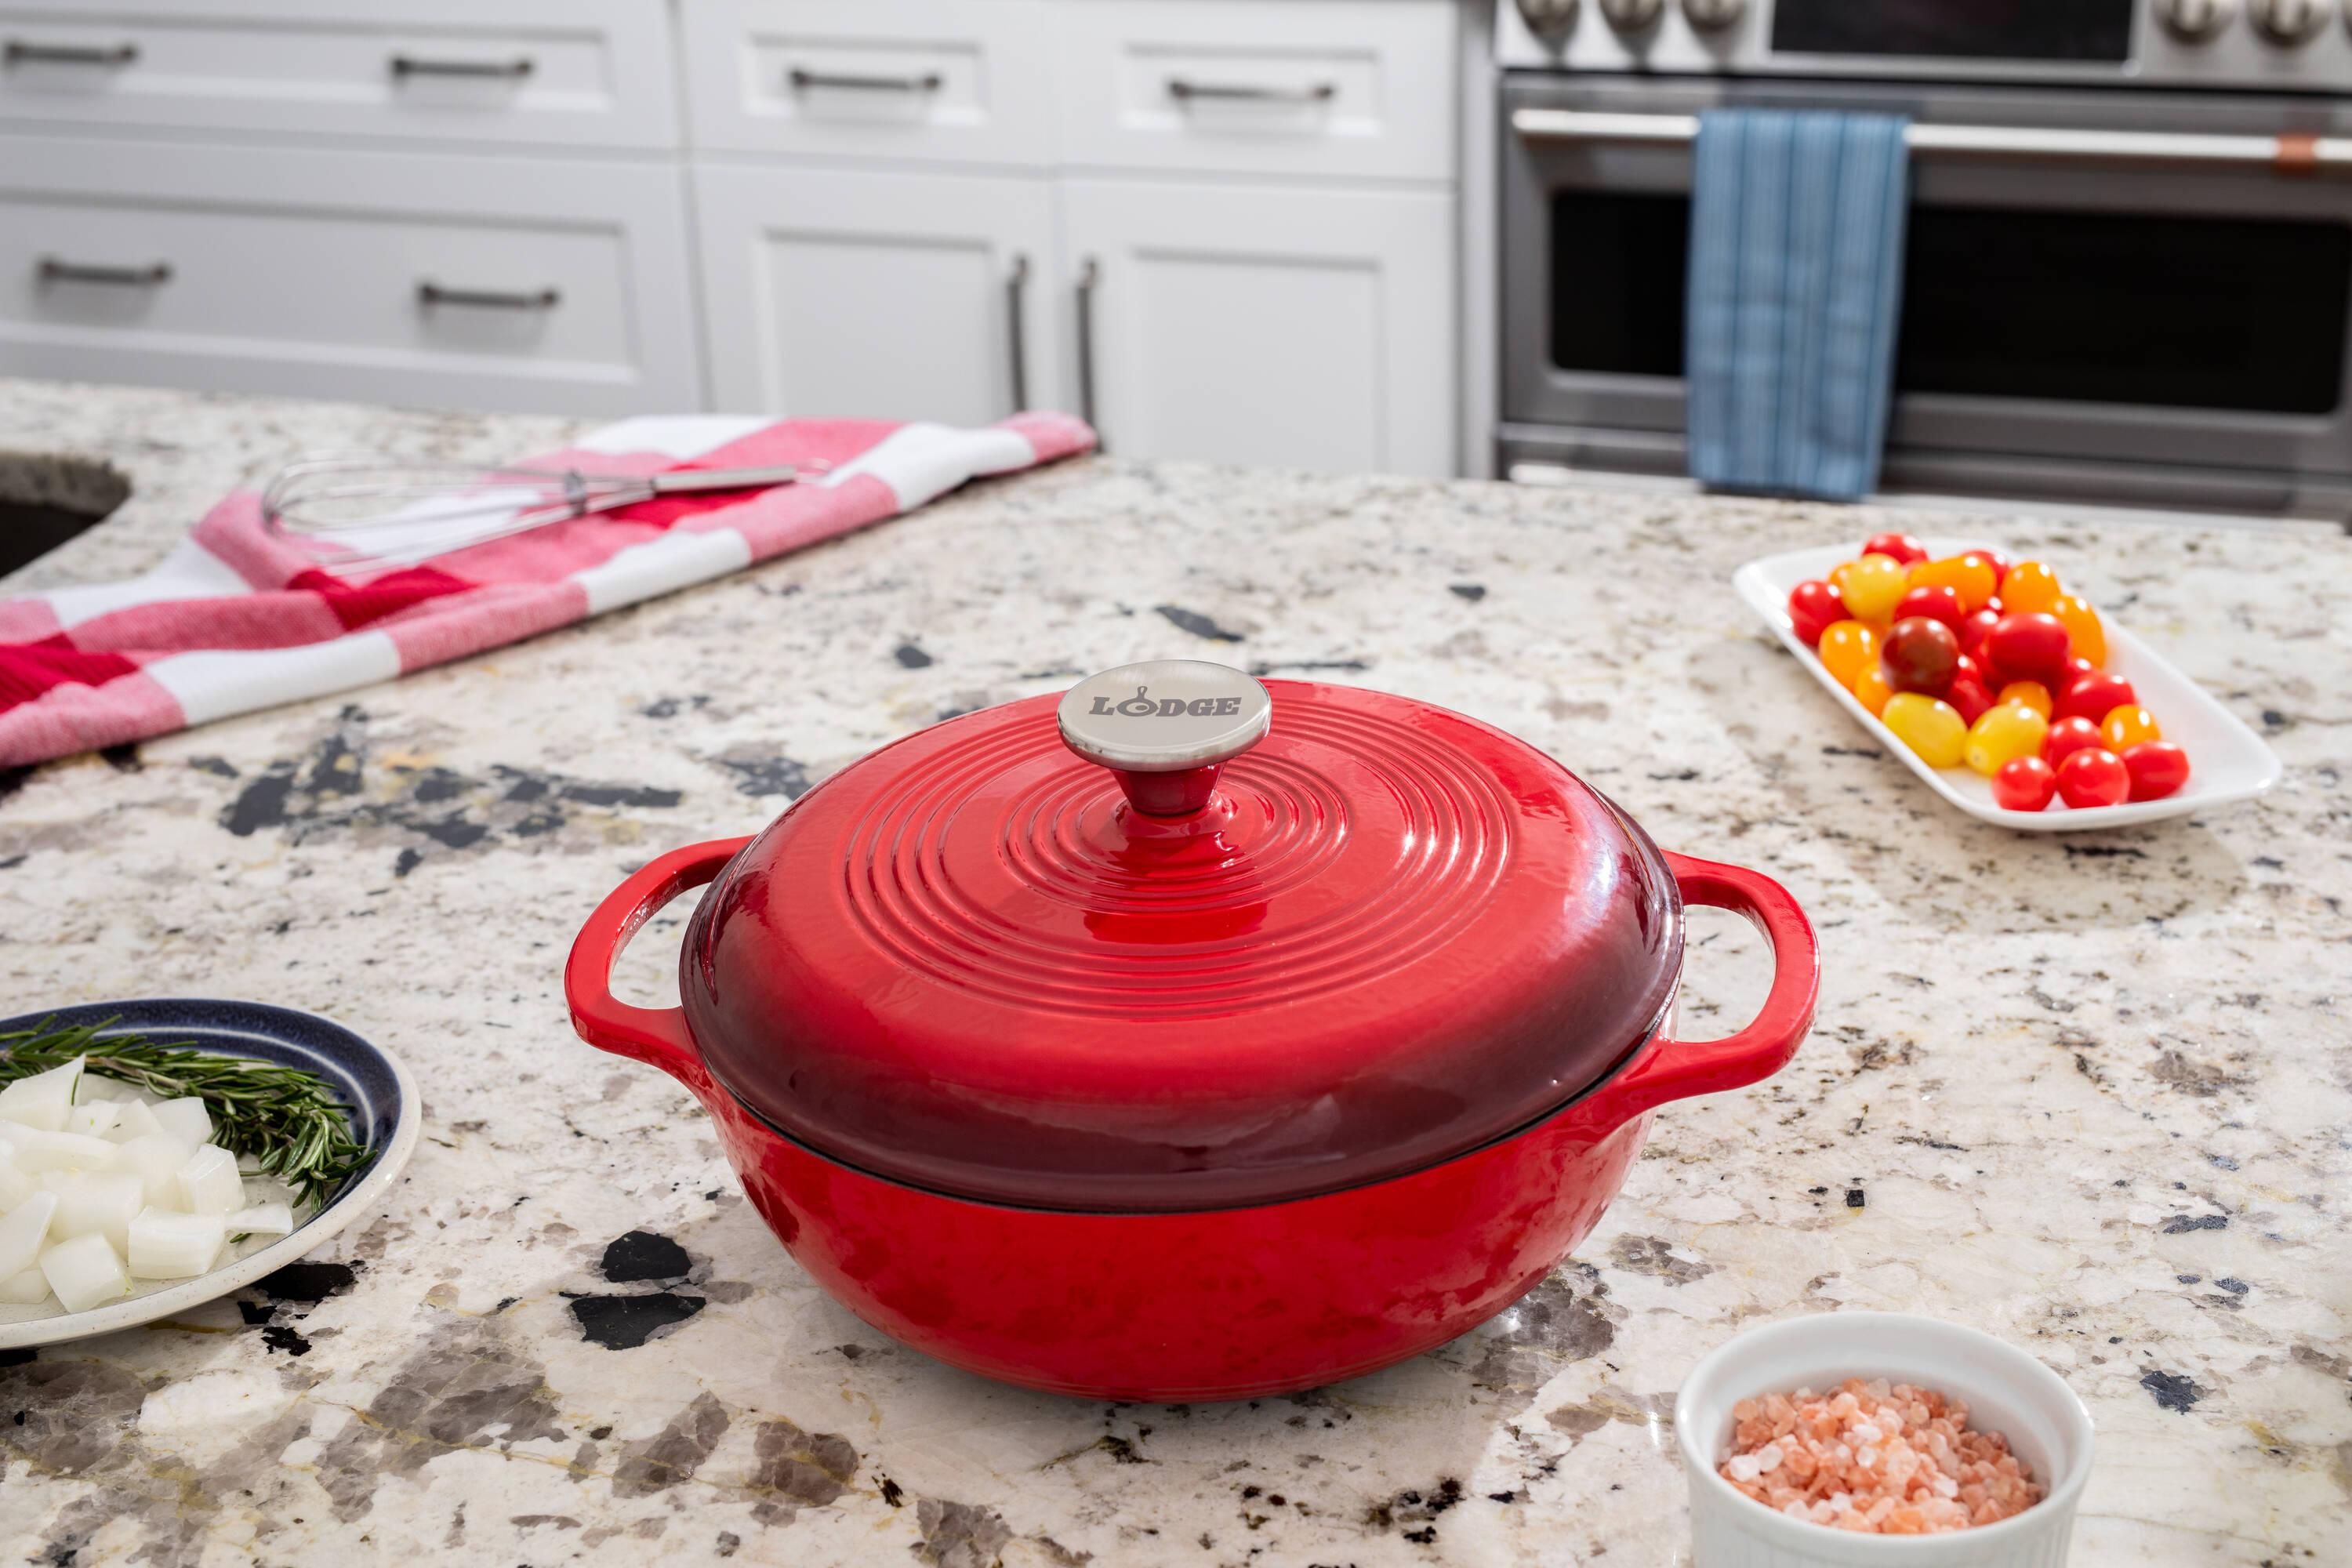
2227, 761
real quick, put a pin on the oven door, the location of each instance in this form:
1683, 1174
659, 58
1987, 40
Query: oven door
2108, 326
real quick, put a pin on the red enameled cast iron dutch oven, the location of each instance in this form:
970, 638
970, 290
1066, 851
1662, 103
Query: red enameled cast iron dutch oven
1070, 1045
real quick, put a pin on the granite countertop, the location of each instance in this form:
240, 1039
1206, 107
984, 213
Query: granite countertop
2086, 1092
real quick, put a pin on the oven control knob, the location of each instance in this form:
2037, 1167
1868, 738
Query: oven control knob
2194, 21
1547, 18
2288, 22
1714, 15
1632, 15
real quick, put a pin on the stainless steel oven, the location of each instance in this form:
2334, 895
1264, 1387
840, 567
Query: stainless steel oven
2125, 282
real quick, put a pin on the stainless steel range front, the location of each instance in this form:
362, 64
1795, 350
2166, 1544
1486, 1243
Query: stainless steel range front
2129, 264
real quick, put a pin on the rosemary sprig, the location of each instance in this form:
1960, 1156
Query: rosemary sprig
287, 1119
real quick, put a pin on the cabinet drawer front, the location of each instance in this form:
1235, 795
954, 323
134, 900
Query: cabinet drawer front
1288, 87
961, 79
473, 282
516, 72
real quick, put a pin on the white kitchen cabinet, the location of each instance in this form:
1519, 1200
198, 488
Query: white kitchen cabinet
1305, 328
879, 294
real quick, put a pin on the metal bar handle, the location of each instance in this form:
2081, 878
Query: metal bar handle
2291, 152
18, 51
404, 65
929, 81
431, 293
1317, 92
1016, 291
55, 270
1089, 275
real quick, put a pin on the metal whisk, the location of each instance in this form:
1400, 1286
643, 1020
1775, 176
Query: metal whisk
375, 510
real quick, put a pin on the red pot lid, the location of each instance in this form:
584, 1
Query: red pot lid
1077, 966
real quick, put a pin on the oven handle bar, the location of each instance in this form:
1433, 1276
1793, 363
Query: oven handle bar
2291, 154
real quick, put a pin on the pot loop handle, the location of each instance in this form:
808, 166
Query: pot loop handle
655, 1035
1677, 1069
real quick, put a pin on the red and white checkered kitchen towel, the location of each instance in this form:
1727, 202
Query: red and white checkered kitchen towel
236, 619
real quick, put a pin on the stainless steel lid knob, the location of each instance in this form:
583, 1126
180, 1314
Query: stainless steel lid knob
1165, 728
2194, 21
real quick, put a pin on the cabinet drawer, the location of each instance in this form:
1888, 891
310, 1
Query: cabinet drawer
480, 282
966, 80
1291, 86
582, 72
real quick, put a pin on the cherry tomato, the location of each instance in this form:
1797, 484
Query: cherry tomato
1921, 655
1971, 576
2092, 776
1870, 689
2083, 628
1995, 607
2031, 586
2002, 731
2068, 736
1932, 729
2026, 648
2024, 784
1813, 605
1975, 627
1938, 604
2000, 565
1841, 571
2157, 769
2031, 693
1848, 647
2095, 696
2128, 726
1872, 588
1970, 697
1899, 546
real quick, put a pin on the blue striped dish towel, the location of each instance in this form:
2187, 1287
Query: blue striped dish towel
1796, 275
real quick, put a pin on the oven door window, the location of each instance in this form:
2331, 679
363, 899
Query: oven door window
2136, 310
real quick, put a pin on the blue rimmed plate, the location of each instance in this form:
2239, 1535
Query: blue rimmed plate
385, 1116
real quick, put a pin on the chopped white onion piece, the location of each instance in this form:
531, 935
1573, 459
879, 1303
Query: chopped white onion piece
133, 1120
97, 1086
262, 1219
94, 1118
209, 1183
100, 1202
15, 1186
157, 1158
85, 1272
25, 1287
23, 1230
36, 1150
168, 1246
185, 1118
42, 1100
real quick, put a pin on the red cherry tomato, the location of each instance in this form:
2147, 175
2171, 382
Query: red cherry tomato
2092, 776
2157, 769
1921, 655
2000, 567
1901, 546
1974, 628
2028, 647
1971, 696
1813, 607
2095, 696
1938, 604
2024, 784
2068, 736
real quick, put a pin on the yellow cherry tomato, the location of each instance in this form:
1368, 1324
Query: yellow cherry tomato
1872, 589
1930, 726
2030, 586
2001, 732
2085, 638
2031, 693
1870, 689
1970, 576
1848, 647
2128, 726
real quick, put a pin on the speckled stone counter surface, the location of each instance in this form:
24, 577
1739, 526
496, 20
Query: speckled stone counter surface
2090, 1093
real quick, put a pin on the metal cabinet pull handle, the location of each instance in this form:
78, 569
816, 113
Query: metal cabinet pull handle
432, 293
929, 81
1017, 290
55, 270
1090, 275
1319, 92
17, 51
410, 65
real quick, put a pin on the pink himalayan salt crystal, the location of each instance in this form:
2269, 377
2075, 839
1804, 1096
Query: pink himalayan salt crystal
1875, 1459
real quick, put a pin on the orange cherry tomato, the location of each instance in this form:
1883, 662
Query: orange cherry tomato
1870, 689
2126, 727
1848, 647
1971, 576
2032, 693
1839, 573
2031, 586
2085, 636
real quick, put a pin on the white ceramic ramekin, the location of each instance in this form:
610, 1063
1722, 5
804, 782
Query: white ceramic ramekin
2006, 1390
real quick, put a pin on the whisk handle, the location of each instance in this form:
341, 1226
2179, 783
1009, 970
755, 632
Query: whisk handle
685, 480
